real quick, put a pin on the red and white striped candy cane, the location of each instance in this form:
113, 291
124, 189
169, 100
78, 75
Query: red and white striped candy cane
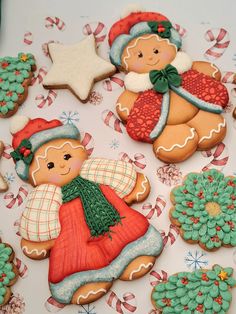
221, 38
7, 150
22, 268
38, 78
182, 31
43, 101
139, 159
219, 156
52, 21
17, 227
157, 277
45, 46
154, 312
114, 82
13, 201
128, 305
53, 306
87, 141
98, 29
158, 208
228, 77
111, 120
28, 38
171, 236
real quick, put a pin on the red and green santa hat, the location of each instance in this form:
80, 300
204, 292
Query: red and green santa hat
136, 24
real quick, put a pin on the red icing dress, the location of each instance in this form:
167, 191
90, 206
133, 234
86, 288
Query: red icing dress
149, 109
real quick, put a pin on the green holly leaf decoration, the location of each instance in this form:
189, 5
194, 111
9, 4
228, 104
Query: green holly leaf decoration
23, 152
162, 29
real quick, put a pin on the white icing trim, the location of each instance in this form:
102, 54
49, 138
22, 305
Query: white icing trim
178, 145
137, 270
45, 155
44, 252
144, 188
220, 125
144, 38
88, 294
119, 105
216, 70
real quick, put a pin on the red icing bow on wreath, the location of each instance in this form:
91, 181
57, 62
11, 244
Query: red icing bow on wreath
161, 28
23, 152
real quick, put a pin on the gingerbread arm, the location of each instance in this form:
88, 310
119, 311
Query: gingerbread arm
125, 103
207, 68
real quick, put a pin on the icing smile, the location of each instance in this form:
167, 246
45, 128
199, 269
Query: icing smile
63, 174
151, 64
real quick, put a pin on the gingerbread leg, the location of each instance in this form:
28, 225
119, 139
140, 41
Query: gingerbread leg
36, 250
140, 191
210, 127
138, 268
176, 143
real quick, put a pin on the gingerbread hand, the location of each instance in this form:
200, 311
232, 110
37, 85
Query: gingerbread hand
125, 103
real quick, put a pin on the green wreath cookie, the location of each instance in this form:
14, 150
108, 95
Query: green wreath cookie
205, 209
15, 77
201, 291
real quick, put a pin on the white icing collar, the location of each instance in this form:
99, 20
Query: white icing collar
136, 82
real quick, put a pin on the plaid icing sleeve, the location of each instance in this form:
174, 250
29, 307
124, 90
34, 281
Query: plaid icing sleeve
119, 175
40, 220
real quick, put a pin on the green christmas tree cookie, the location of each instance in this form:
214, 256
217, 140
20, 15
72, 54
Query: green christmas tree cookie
205, 209
8, 273
201, 291
15, 77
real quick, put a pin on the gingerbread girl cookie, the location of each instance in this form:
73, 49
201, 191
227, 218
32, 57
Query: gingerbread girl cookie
169, 100
78, 212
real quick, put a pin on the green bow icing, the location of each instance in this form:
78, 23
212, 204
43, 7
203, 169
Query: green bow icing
161, 28
163, 79
23, 152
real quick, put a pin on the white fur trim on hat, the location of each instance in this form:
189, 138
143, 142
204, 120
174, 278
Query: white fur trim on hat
18, 123
132, 8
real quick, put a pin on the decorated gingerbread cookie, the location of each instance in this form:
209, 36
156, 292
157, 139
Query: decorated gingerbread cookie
78, 212
8, 272
15, 78
77, 67
205, 209
200, 291
169, 100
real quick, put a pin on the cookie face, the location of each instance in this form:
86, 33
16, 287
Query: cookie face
15, 77
205, 209
146, 53
201, 291
76, 67
57, 162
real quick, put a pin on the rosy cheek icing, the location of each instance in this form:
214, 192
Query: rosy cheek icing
136, 66
166, 57
54, 178
76, 165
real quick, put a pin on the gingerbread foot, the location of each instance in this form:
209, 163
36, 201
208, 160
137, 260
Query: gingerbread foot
210, 127
140, 191
176, 143
138, 268
36, 250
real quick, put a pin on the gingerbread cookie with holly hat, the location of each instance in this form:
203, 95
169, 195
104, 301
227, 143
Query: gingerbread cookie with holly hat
169, 100
78, 212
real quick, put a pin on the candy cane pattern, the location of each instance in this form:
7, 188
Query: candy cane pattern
52, 21
98, 29
53, 306
157, 277
43, 101
221, 38
114, 82
13, 201
228, 77
7, 150
158, 208
111, 120
38, 78
45, 46
17, 227
22, 268
139, 159
219, 156
87, 141
171, 236
128, 305
182, 31
154, 312
28, 38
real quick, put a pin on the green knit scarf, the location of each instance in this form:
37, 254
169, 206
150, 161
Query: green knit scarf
100, 215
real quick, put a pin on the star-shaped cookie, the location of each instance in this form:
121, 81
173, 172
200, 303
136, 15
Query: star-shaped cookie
76, 67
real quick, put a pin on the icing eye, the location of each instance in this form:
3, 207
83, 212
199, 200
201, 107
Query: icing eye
50, 165
155, 51
140, 55
67, 156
